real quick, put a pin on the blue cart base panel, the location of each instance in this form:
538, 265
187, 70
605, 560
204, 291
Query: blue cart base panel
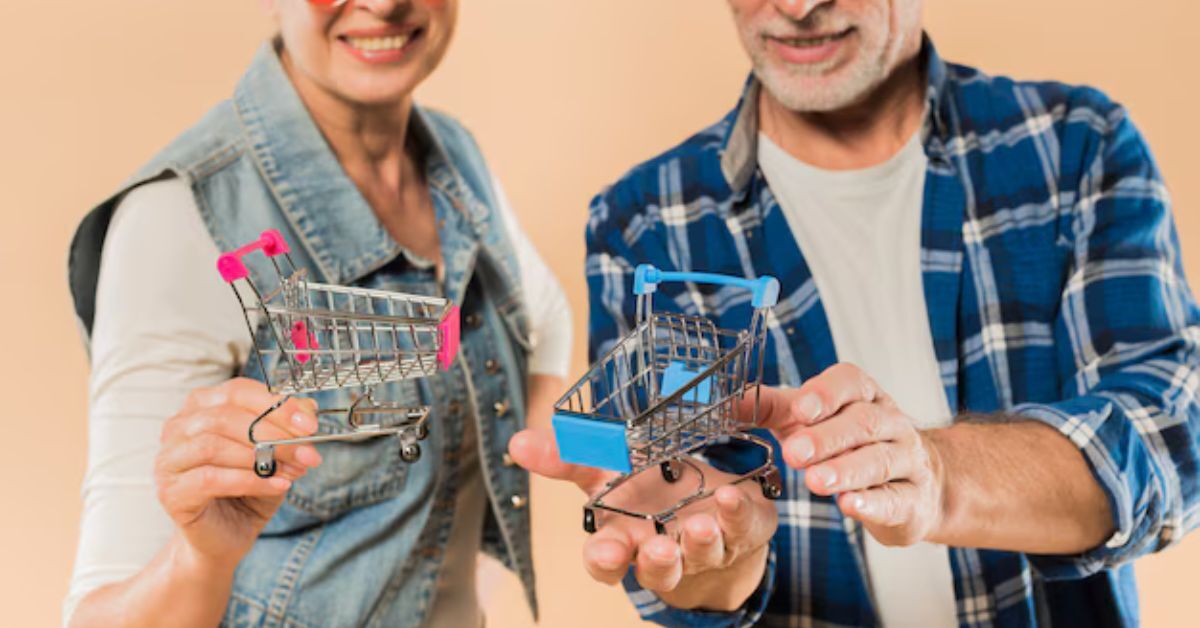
591, 441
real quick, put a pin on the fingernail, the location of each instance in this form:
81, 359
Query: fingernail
282, 484
809, 407
607, 565
860, 505
801, 448
308, 456
664, 554
302, 420
825, 476
705, 535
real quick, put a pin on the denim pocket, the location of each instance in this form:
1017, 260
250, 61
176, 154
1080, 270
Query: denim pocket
352, 474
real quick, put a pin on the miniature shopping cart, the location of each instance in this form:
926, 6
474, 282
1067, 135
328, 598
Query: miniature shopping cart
665, 391
324, 337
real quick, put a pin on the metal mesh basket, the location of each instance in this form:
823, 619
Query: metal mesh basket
317, 337
665, 390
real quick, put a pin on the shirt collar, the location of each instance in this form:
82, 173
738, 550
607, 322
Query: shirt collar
739, 148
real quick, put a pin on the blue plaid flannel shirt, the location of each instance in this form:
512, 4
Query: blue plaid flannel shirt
1055, 291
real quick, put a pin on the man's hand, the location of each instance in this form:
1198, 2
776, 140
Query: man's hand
852, 441
713, 558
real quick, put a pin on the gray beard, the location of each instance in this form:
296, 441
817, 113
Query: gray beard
860, 79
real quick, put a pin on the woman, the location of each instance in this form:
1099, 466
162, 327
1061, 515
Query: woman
322, 141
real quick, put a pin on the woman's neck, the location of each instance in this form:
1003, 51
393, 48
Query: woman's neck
374, 148
370, 142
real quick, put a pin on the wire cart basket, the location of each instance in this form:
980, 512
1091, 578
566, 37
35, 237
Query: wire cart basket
324, 337
666, 390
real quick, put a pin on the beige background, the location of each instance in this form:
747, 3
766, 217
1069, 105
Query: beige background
564, 95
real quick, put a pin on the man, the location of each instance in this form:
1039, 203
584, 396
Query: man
985, 350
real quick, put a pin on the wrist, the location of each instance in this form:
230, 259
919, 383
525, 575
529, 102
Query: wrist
194, 565
938, 443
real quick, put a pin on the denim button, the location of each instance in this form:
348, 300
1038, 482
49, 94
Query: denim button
507, 460
518, 501
491, 366
501, 408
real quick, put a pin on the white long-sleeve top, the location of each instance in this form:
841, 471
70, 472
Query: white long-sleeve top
165, 324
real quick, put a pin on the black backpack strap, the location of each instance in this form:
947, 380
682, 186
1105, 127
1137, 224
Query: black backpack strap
83, 259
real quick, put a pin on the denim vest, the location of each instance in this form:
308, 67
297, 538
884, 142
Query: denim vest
360, 539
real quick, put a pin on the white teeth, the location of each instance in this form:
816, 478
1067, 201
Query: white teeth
374, 44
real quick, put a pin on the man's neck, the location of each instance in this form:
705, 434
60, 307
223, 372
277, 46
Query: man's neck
862, 135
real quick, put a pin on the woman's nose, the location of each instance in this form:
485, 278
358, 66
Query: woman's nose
384, 8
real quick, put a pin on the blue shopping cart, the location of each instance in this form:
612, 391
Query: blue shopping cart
665, 391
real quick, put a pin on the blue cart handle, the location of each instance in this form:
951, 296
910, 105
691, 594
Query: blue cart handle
765, 289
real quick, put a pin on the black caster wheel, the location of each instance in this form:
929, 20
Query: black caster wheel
589, 520
670, 472
421, 432
265, 469
410, 452
660, 527
264, 462
772, 484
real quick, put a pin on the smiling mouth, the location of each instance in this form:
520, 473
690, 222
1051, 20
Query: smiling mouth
380, 44
813, 42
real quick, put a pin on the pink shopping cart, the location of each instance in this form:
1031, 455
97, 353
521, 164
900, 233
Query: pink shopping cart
324, 337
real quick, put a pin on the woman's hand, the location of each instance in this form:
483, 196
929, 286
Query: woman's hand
204, 470
714, 560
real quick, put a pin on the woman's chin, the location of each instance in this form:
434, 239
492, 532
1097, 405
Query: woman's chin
374, 93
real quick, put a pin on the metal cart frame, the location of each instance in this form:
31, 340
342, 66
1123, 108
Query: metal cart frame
327, 337
665, 391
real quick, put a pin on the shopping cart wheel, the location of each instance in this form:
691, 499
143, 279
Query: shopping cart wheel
589, 520
410, 452
660, 527
771, 483
670, 472
264, 461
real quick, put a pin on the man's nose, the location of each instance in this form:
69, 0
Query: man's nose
798, 9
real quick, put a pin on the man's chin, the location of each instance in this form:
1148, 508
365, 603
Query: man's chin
834, 89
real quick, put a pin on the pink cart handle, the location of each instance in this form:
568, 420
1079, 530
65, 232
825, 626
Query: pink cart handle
448, 338
230, 264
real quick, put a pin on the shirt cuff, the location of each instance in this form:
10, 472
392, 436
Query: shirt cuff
652, 608
1120, 464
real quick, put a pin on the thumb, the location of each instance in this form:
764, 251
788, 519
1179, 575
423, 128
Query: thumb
777, 410
536, 452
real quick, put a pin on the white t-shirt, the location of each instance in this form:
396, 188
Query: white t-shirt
860, 231
166, 323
